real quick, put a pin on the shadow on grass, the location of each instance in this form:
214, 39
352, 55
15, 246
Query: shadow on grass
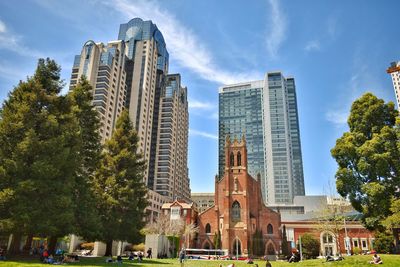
84, 261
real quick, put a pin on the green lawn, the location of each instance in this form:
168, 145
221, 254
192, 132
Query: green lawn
388, 260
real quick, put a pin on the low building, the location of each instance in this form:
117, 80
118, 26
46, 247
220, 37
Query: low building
203, 200
156, 201
350, 237
181, 210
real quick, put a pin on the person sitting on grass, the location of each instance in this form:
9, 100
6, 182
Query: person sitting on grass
109, 259
2, 254
140, 256
376, 259
119, 259
50, 259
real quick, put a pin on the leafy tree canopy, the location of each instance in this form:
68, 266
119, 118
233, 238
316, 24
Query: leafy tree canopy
368, 156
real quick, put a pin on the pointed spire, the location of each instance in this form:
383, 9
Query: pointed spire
243, 139
227, 140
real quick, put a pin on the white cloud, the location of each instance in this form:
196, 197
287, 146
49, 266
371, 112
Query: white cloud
277, 29
3, 27
13, 42
203, 134
313, 45
337, 117
195, 104
184, 46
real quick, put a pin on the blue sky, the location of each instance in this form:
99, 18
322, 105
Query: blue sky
336, 50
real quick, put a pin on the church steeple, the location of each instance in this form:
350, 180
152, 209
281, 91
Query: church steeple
235, 154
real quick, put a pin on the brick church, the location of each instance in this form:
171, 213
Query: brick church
245, 224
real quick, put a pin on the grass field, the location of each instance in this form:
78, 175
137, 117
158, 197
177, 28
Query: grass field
388, 260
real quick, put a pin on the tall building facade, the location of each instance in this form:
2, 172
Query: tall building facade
171, 173
103, 66
265, 112
132, 73
146, 64
394, 71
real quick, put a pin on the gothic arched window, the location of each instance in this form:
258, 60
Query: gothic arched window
235, 211
208, 228
270, 229
232, 160
239, 159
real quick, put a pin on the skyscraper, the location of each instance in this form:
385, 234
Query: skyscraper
132, 72
266, 113
171, 174
394, 71
146, 64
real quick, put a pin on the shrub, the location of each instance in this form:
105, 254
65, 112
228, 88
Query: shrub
383, 242
356, 250
310, 246
88, 246
138, 247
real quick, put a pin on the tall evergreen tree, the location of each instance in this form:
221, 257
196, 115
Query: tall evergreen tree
38, 152
285, 247
86, 212
119, 183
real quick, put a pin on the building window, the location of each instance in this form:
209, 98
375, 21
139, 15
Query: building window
364, 244
239, 159
237, 247
232, 160
270, 229
208, 228
235, 211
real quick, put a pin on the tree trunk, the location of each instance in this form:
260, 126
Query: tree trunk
396, 232
28, 243
15, 244
109, 244
52, 244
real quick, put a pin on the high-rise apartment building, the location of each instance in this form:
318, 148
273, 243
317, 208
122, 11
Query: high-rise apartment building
103, 67
394, 71
171, 173
132, 72
146, 64
266, 113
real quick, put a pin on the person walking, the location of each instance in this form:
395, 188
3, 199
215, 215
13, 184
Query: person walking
182, 257
149, 252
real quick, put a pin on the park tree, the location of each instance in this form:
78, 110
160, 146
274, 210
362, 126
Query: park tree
120, 187
368, 158
87, 222
217, 240
310, 246
38, 158
285, 245
331, 221
258, 243
383, 242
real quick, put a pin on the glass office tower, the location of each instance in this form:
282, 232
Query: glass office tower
266, 113
240, 113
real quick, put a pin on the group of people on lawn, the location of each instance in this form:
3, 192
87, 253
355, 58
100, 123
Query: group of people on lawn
45, 257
